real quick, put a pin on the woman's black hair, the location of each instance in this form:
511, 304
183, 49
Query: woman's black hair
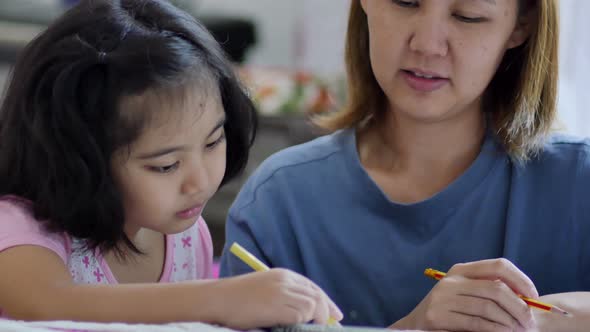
60, 121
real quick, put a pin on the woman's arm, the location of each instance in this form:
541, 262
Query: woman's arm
577, 304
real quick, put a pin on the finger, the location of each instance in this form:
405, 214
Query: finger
502, 269
503, 296
305, 306
484, 308
302, 290
333, 310
306, 287
322, 310
289, 315
461, 322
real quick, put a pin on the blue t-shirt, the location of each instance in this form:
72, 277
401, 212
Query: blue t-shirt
314, 209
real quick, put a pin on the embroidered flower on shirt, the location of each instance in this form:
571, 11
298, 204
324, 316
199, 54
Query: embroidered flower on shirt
186, 241
86, 261
98, 275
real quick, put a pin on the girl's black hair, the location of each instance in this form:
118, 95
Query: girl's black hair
60, 120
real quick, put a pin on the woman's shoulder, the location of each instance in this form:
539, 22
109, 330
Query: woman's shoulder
562, 157
298, 166
318, 153
561, 143
565, 149
572, 150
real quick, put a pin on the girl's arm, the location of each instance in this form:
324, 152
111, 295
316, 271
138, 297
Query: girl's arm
36, 285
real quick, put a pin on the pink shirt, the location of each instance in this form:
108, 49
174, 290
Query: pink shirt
189, 254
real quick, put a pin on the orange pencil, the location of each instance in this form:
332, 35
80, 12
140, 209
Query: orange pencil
532, 303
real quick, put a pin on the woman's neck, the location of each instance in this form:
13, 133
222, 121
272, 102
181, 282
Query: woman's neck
428, 156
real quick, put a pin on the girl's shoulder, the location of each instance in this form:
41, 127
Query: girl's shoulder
18, 226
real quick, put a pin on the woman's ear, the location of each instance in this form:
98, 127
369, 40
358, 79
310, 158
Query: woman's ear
522, 30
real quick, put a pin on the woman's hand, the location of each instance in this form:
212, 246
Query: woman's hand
477, 296
270, 298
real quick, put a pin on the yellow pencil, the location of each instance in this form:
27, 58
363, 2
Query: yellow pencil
247, 257
257, 265
532, 303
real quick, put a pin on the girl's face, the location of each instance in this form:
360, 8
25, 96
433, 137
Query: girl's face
434, 58
176, 165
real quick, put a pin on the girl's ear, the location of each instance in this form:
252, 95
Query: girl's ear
522, 30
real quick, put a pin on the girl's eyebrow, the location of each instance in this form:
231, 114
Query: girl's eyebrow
162, 152
220, 123
171, 149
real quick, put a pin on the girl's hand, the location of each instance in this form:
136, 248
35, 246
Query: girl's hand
478, 296
270, 298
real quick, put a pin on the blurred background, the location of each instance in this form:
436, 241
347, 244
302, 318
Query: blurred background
290, 56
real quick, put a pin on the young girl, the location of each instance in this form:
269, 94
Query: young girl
120, 122
442, 160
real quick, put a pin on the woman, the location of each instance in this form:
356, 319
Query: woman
442, 159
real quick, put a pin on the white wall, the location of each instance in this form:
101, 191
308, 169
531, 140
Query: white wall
308, 33
574, 66
323, 25
274, 22
325, 31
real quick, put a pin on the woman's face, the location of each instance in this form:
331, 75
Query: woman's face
434, 58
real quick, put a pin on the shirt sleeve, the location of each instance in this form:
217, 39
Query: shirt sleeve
18, 227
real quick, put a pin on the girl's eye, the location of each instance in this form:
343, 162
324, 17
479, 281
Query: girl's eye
467, 19
165, 169
212, 145
407, 4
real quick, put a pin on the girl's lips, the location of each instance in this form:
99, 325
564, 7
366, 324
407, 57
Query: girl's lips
190, 212
423, 84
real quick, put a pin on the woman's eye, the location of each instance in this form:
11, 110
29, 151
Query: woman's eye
216, 142
407, 4
468, 19
165, 169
